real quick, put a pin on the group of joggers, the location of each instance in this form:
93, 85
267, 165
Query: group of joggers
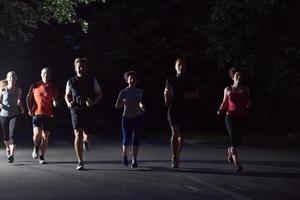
83, 92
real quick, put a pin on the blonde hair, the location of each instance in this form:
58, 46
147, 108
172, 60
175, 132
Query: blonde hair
3, 84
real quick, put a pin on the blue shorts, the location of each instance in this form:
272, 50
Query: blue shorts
42, 121
131, 128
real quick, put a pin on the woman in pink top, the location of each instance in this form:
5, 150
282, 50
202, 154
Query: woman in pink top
235, 103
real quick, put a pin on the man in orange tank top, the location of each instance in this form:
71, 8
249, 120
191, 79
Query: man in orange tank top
41, 98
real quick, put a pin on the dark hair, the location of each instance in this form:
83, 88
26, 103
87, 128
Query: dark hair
80, 59
232, 71
129, 73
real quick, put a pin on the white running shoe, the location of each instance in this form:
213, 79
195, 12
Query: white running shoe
35, 153
79, 166
42, 160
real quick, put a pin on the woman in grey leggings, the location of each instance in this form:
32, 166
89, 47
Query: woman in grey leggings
10, 104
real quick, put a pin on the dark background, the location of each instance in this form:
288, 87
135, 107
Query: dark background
259, 36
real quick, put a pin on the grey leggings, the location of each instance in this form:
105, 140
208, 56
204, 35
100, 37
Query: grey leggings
8, 125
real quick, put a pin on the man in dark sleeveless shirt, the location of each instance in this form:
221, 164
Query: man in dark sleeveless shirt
82, 92
177, 89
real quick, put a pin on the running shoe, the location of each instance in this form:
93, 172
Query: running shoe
125, 161
238, 168
134, 164
86, 146
42, 160
10, 159
35, 153
79, 166
174, 164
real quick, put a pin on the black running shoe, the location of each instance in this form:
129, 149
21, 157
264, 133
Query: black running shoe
134, 164
11, 159
238, 168
42, 160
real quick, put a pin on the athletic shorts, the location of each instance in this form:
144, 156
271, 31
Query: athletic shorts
81, 119
177, 117
42, 121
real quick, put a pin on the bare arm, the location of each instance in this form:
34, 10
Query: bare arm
1, 106
67, 96
168, 95
55, 97
120, 101
224, 102
98, 92
29, 102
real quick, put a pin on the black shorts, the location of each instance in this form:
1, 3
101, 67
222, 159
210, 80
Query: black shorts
177, 117
81, 119
42, 121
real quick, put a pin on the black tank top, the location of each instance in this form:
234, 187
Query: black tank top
81, 88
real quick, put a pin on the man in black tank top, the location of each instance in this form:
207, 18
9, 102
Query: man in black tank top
176, 89
82, 93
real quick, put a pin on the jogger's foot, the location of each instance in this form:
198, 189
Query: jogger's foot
42, 160
134, 164
35, 153
174, 163
238, 168
125, 161
79, 166
10, 158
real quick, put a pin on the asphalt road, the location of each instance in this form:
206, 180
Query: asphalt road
269, 173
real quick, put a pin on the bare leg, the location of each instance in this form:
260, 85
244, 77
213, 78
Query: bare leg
87, 137
12, 149
78, 143
135, 150
45, 142
229, 157
125, 150
37, 136
180, 145
236, 162
175, 149
37, 139
6, 142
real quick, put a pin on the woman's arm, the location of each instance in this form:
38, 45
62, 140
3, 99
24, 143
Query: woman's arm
120, 101
224, 103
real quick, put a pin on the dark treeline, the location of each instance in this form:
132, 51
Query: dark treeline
259, 36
